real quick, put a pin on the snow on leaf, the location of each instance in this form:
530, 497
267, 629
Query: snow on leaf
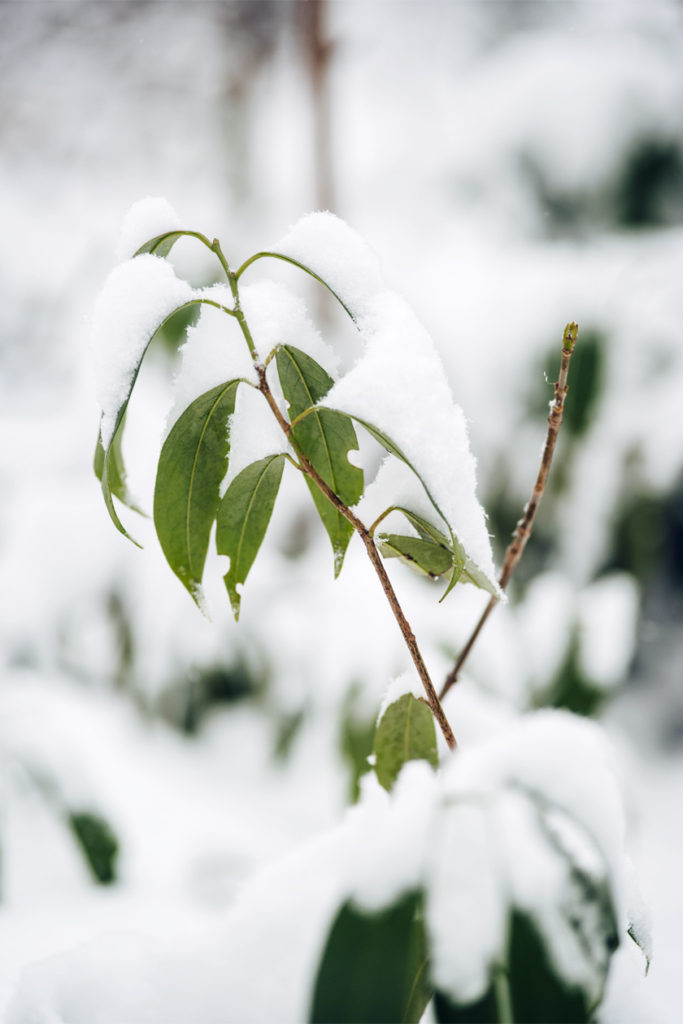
398, 389
325, 245
137, 297
146, 223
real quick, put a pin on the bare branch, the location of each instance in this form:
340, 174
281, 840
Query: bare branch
525, 524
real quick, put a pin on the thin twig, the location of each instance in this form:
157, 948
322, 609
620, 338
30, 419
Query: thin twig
375, 558
525, 524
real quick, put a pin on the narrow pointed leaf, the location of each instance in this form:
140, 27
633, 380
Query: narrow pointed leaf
373, 967
300, 266
243, 519
405, 732
108, 465
117, 471
325, 437
193, 462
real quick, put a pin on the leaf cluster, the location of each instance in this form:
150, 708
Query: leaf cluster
195, 460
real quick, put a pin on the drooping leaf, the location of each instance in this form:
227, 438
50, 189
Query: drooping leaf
374, 967
464, 567
325, 437
109, 466
405, 732
192, 464
300, 266
117, 470
243, 519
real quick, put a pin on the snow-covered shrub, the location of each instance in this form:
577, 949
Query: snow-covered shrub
491, 882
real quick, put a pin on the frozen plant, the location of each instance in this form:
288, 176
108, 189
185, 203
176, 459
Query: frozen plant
493, 887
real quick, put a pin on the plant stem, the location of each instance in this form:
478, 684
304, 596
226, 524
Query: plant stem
375, 558
525, 524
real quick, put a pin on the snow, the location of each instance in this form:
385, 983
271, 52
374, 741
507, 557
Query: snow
408, 682
465, 913
135, 300
146, 219
607, 617
276, 316
399, 387
387, 837
214, 353
254, 433
494, 794
327, 245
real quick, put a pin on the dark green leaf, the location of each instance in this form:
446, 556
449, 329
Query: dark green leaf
374, 967
405, 732
161, 245
325, 437
243, 519
538, 993
192, 464
483, 1011
97, 842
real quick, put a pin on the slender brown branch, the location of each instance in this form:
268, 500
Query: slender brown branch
525, 524
374, 556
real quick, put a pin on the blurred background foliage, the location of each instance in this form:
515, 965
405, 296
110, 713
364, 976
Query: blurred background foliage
515, 165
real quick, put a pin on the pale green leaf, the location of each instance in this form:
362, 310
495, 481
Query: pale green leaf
243, 519
192, 464
405, 733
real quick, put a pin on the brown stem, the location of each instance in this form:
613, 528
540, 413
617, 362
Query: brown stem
525, 524
375, 558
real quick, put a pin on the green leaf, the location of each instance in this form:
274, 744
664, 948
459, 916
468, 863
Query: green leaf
192, 464
463, 568
161, 245
300, 266
325, 437
243, 519
538, 992
483, 1011
374, 967
424, 555
108, 465
117, 470
405, 732
97, 842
